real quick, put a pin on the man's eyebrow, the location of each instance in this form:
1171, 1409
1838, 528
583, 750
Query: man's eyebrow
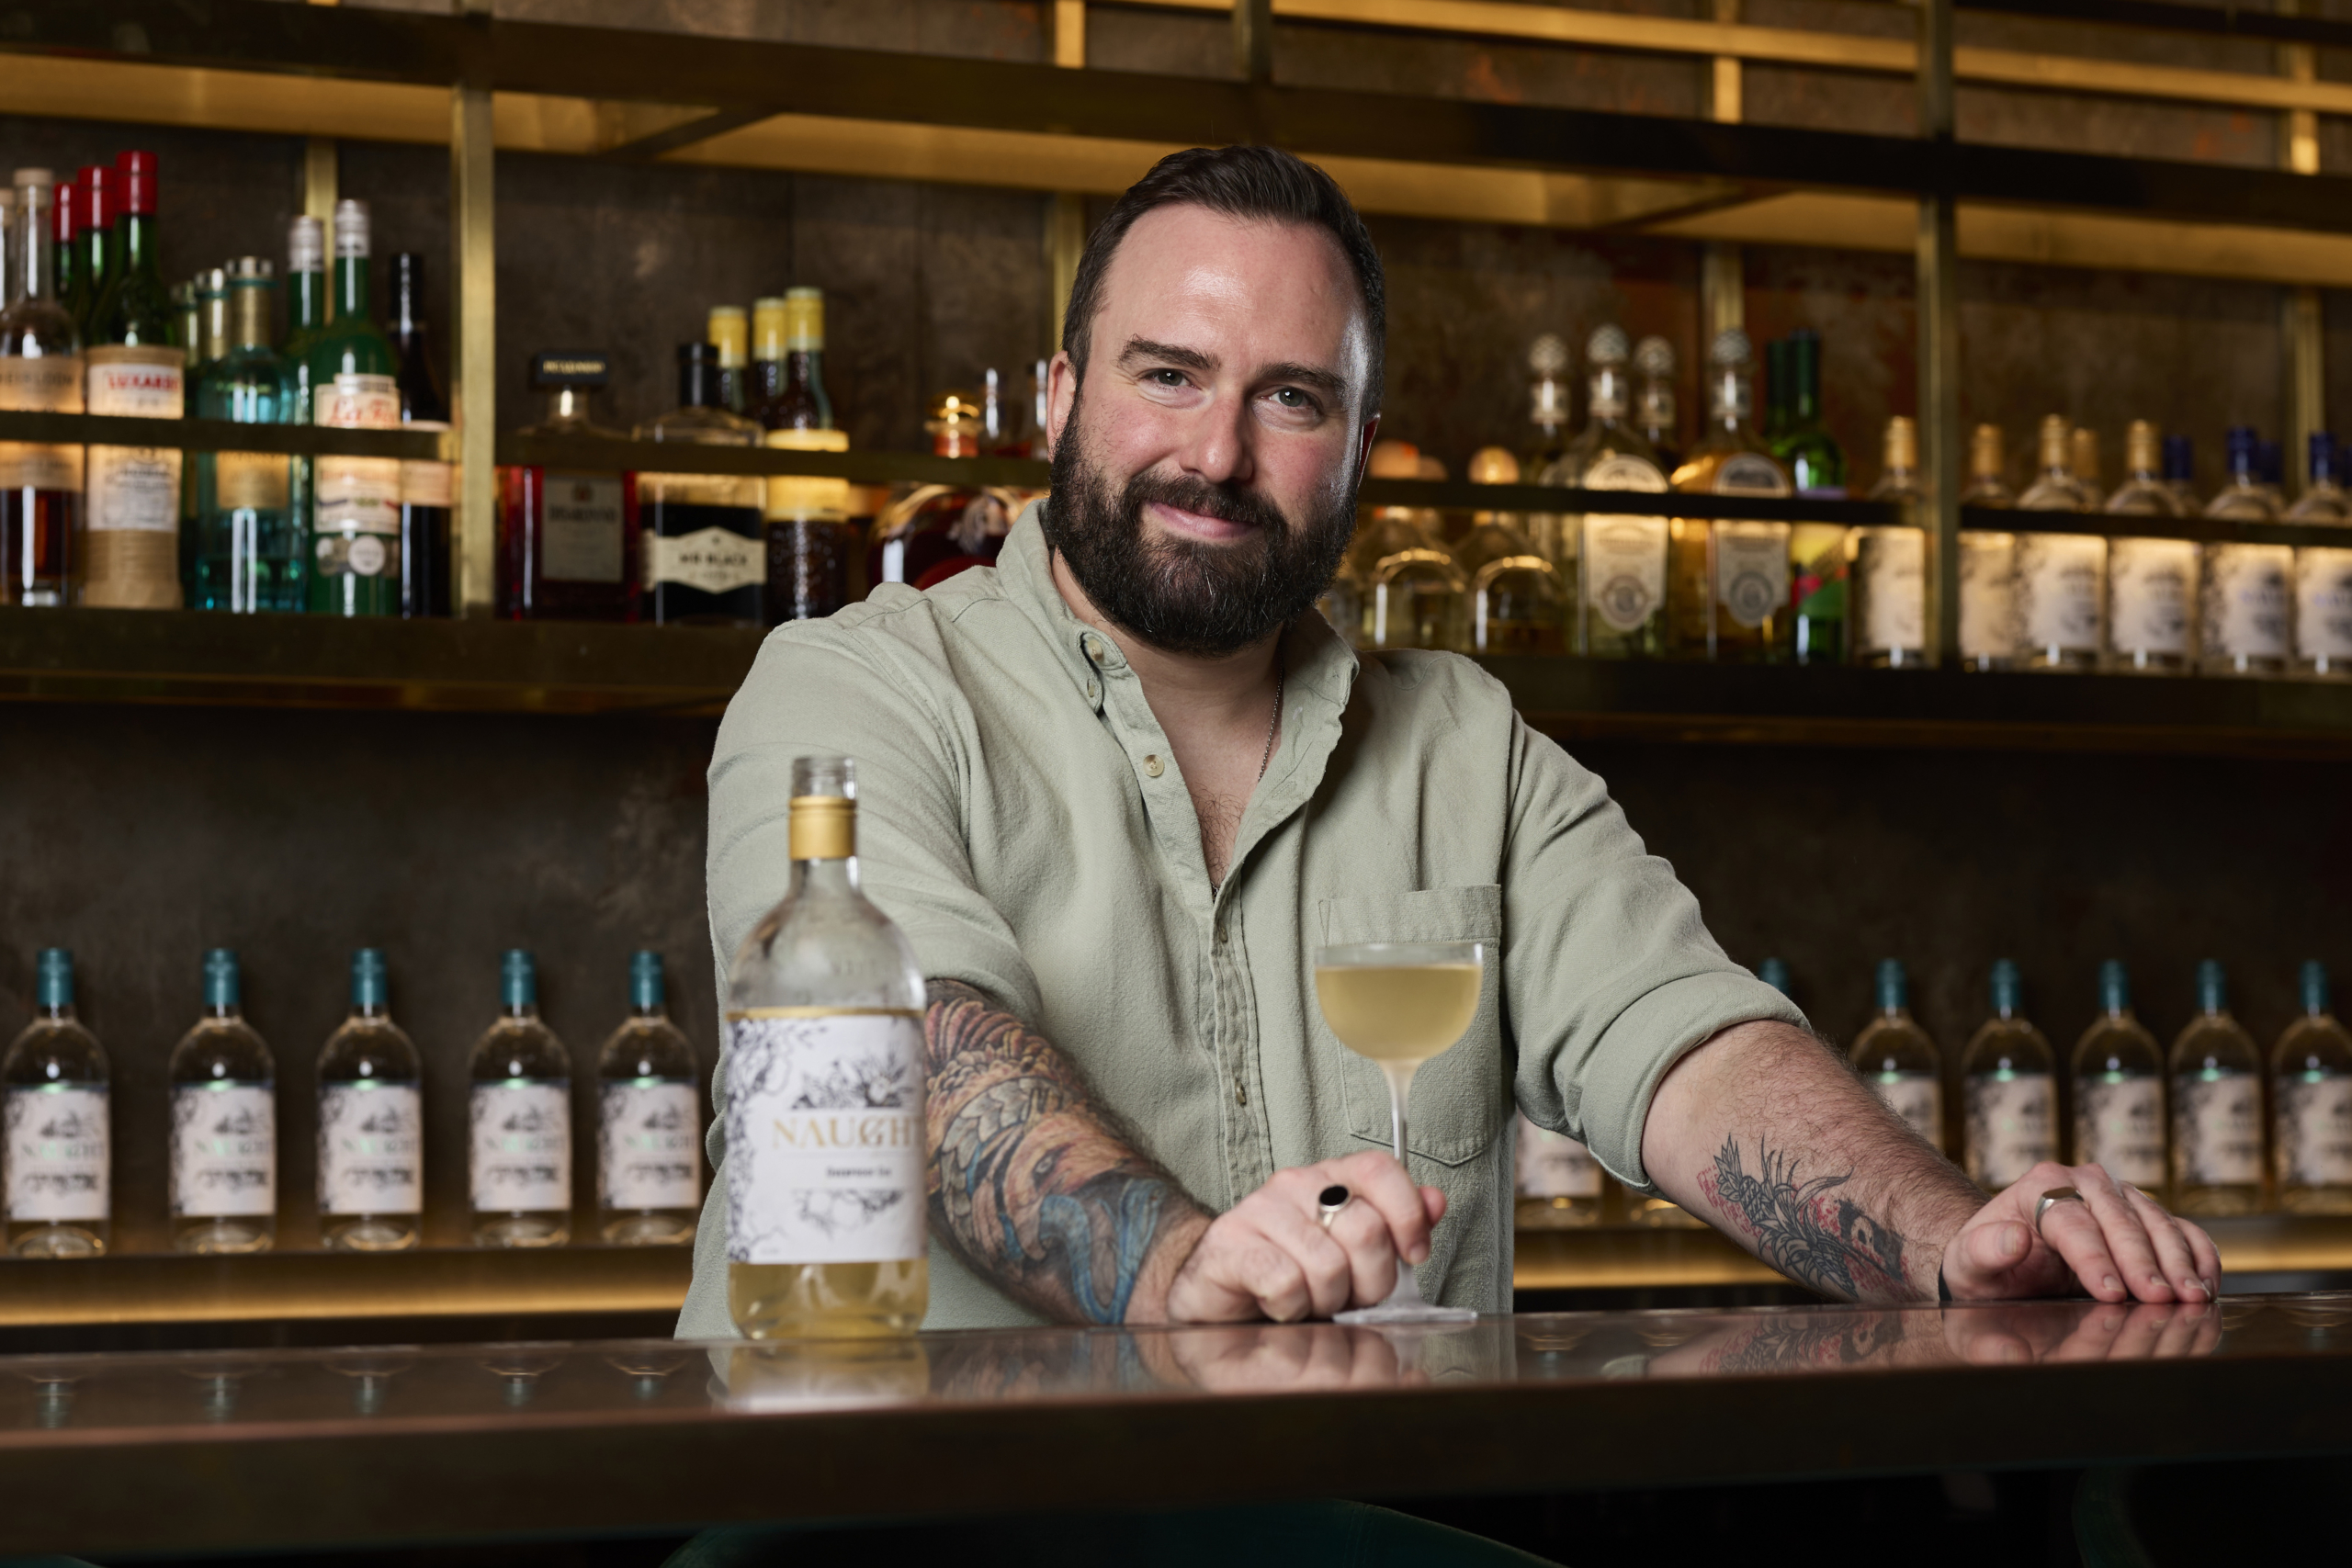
1323, 380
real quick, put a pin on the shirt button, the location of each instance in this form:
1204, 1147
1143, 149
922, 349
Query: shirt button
1094, 651
1153, 765
1093, 690
1240, 1092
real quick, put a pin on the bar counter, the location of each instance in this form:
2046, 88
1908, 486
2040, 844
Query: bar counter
191, 1452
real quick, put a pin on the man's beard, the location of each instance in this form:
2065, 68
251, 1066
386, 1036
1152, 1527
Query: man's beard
1180, 594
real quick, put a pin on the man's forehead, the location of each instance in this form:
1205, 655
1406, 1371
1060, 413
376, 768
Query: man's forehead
1264, 288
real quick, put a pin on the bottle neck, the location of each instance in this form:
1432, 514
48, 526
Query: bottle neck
249, 316
823, 876
804, 369
223, 1010
54, 1012
350, 288
519, 1010
373, 1010
35, 259
1608, 390
140, 252
308, 299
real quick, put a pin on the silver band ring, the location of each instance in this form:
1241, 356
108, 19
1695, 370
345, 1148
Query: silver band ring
1329, 1201
2056, 1195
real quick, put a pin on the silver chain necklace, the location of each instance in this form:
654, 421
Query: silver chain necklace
1274, 723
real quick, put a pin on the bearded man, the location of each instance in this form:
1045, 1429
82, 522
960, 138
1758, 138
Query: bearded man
1118, 789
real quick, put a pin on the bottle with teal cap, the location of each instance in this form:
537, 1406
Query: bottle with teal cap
2216, 1107
519, 1114
2311, 1071
1897, 1058
224, 1124
1774, 972
55, 1122
2009, 1088
371, 1124
649, 1165
2117, 1072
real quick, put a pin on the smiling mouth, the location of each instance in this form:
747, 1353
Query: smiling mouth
1198, 525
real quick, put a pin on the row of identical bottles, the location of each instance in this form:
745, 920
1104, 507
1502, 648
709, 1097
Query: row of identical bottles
55, 1127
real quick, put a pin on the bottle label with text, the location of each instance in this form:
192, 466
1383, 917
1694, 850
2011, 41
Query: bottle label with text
1988, 604
1751, 568
521, 1145
1625, 568
1918, 1099
57, 1153
371, 1148
1553, 1165
2058, 582
425, 482
2012, 1126
2316, 1130
714, 559
224, 1150
652, 1157
2152, 590
825, 1138
51, 384
2119, 1126
2217, 1129
1890, 568
136, 488
581, 542
359, 501
2323, 604
2245, 599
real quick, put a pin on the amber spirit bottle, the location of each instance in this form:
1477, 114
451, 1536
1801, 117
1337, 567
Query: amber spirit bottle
810, 541
568, 536
41, 372
702, 539
930, 531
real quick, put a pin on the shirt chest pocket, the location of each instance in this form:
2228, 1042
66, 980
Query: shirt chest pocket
1455, 1112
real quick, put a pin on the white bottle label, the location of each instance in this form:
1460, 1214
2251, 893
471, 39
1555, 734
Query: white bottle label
51, 384
1625, 568
2316, 1130
2323, 604
1918, 1099
2058, 590
358, 495
714, 559
224, 1150
2012, 1126
58, 1164
825, 1138
2152, 588
584, 522
1553, 1165
2245, 599
2119, 1126
1891, 572
425, 482
653, 1157
371, 1151
1988, 607
136, 486
522, 1147
2217, 1129
1751, 567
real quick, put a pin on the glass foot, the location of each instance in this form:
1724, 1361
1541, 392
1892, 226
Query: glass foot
1392, 1311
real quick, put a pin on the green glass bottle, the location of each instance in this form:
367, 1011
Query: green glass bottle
94, 240
1816, 550
137, 365
246, 549
355, 505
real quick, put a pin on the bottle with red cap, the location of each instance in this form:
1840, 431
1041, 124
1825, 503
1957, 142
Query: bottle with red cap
93, 240
137, 367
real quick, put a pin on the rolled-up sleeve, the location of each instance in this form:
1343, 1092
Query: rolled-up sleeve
1609, 973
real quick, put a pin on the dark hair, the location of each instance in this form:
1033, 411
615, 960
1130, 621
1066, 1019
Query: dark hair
1238, 182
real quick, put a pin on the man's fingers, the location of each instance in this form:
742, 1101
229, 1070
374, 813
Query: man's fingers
1370, 1253
2207, 1255
1326, 1264
2077, 1235
1260, 1268
2173, 1253
1375, 1177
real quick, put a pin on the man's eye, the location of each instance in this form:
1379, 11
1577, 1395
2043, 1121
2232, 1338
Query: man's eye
1166, 378
1292, 398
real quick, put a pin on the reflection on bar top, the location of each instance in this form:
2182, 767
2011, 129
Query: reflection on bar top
186, 1395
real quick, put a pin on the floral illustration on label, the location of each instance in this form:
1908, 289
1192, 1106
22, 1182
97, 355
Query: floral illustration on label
825, 1139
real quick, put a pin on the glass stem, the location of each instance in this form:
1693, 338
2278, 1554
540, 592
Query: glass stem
1400, 1084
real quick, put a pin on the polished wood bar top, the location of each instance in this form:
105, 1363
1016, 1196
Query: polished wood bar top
225, 1451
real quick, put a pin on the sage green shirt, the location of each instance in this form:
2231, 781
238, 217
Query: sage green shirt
1022, 818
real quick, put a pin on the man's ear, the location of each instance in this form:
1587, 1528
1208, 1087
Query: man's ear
1061, 396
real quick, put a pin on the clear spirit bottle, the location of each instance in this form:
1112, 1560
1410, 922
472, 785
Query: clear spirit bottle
55, 1116
136, 365
41, 372
1897, 1058
247, 551
1886, 566
2151, 583
567, 545
427, 498
1558, 1185
825, 1196
2243, 622
1547, 403
2216, 1108
2082, 457
519, 1117
2118, 1088
2010, 1086
1618, 578
1817, 551
1989, 618
353, 378
2324, 573
1727, 589
2312, 1091
649, 1112
371, 1124
224, 1126
1412, 591
703, 537
2061, 577
1655, 413
1514, 600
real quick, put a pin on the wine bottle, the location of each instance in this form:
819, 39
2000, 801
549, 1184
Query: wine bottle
371, 1120
224, 1126
41, 372
426, 486
520, 1113
825, 1205
137, 365
2216, 1108
649, 1165
2312, 1079
1897, 1058
2118, 1088
55, 1123
2009, 1088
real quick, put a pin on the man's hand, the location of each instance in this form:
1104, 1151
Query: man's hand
1269, 1257
2117, 1242
2016, 1335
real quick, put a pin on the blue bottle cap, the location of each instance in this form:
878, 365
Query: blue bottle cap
370, 987
1775, 973
2212, 989
518, 979
2314, 985
220, 988
2181, 460
2008, 987
2114, 987
645, 980
54, 978
1893, 986
2242, 447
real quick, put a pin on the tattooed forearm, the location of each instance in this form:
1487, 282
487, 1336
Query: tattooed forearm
1030, 1182
1808, 1230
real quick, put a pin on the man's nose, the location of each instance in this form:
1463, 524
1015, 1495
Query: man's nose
1215, 444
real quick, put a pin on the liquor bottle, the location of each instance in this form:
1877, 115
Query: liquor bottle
2244, 608
2324, 573
1514, 600
224, 1126
371, 1124
1558, 1185
41, 372
1655, 414
1413, 592
729, 333
706, 561
1988, 628
2082, 458
2011, 1091
2216, 1108
1817, 551
1886, 566
245, 544
793, 381
2061, 583
2268, 463
212, 339
96, 239
2151, 583
648, 1168
187, 319
54, 1117
425, 551
306, 317
568, 538
520, 1116
1616, 569
824, 1007
1897, 1058
1547, 404
2180, 474
2312, 1090
65, 249
767, 356
810, 539
2118, 1091
1727, 591
136, 365
930, 531
354, 384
